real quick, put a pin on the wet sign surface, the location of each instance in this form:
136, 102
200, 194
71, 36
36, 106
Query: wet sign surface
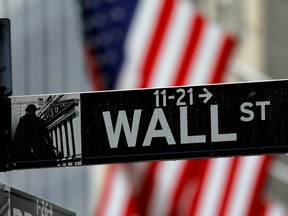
149, 124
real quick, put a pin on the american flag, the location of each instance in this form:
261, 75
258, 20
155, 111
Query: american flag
139, 44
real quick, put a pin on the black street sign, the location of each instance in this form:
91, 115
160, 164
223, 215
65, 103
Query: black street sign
5, 58
14, 202
149, 124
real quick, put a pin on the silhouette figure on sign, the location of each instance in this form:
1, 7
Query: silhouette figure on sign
32, 140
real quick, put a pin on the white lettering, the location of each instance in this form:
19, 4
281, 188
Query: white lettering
263, 104
17, 212
250, 113
159, 127
215, 136
122, 122
244, 109
185, 138
152, 132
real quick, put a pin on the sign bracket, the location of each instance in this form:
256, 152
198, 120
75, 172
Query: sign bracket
5, 133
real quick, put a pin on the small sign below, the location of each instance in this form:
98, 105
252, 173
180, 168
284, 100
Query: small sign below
5, 58
14, 202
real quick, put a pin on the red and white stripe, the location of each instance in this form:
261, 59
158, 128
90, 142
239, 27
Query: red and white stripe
170, 43
117, 197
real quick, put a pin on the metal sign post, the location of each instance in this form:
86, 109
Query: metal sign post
5, 58
148, 124
5, 90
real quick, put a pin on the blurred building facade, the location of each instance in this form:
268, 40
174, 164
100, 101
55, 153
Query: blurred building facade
47, 57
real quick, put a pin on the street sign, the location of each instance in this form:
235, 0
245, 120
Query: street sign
148, 124
14, 202
5, 58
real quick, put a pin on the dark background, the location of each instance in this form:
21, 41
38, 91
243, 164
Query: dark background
253, 137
